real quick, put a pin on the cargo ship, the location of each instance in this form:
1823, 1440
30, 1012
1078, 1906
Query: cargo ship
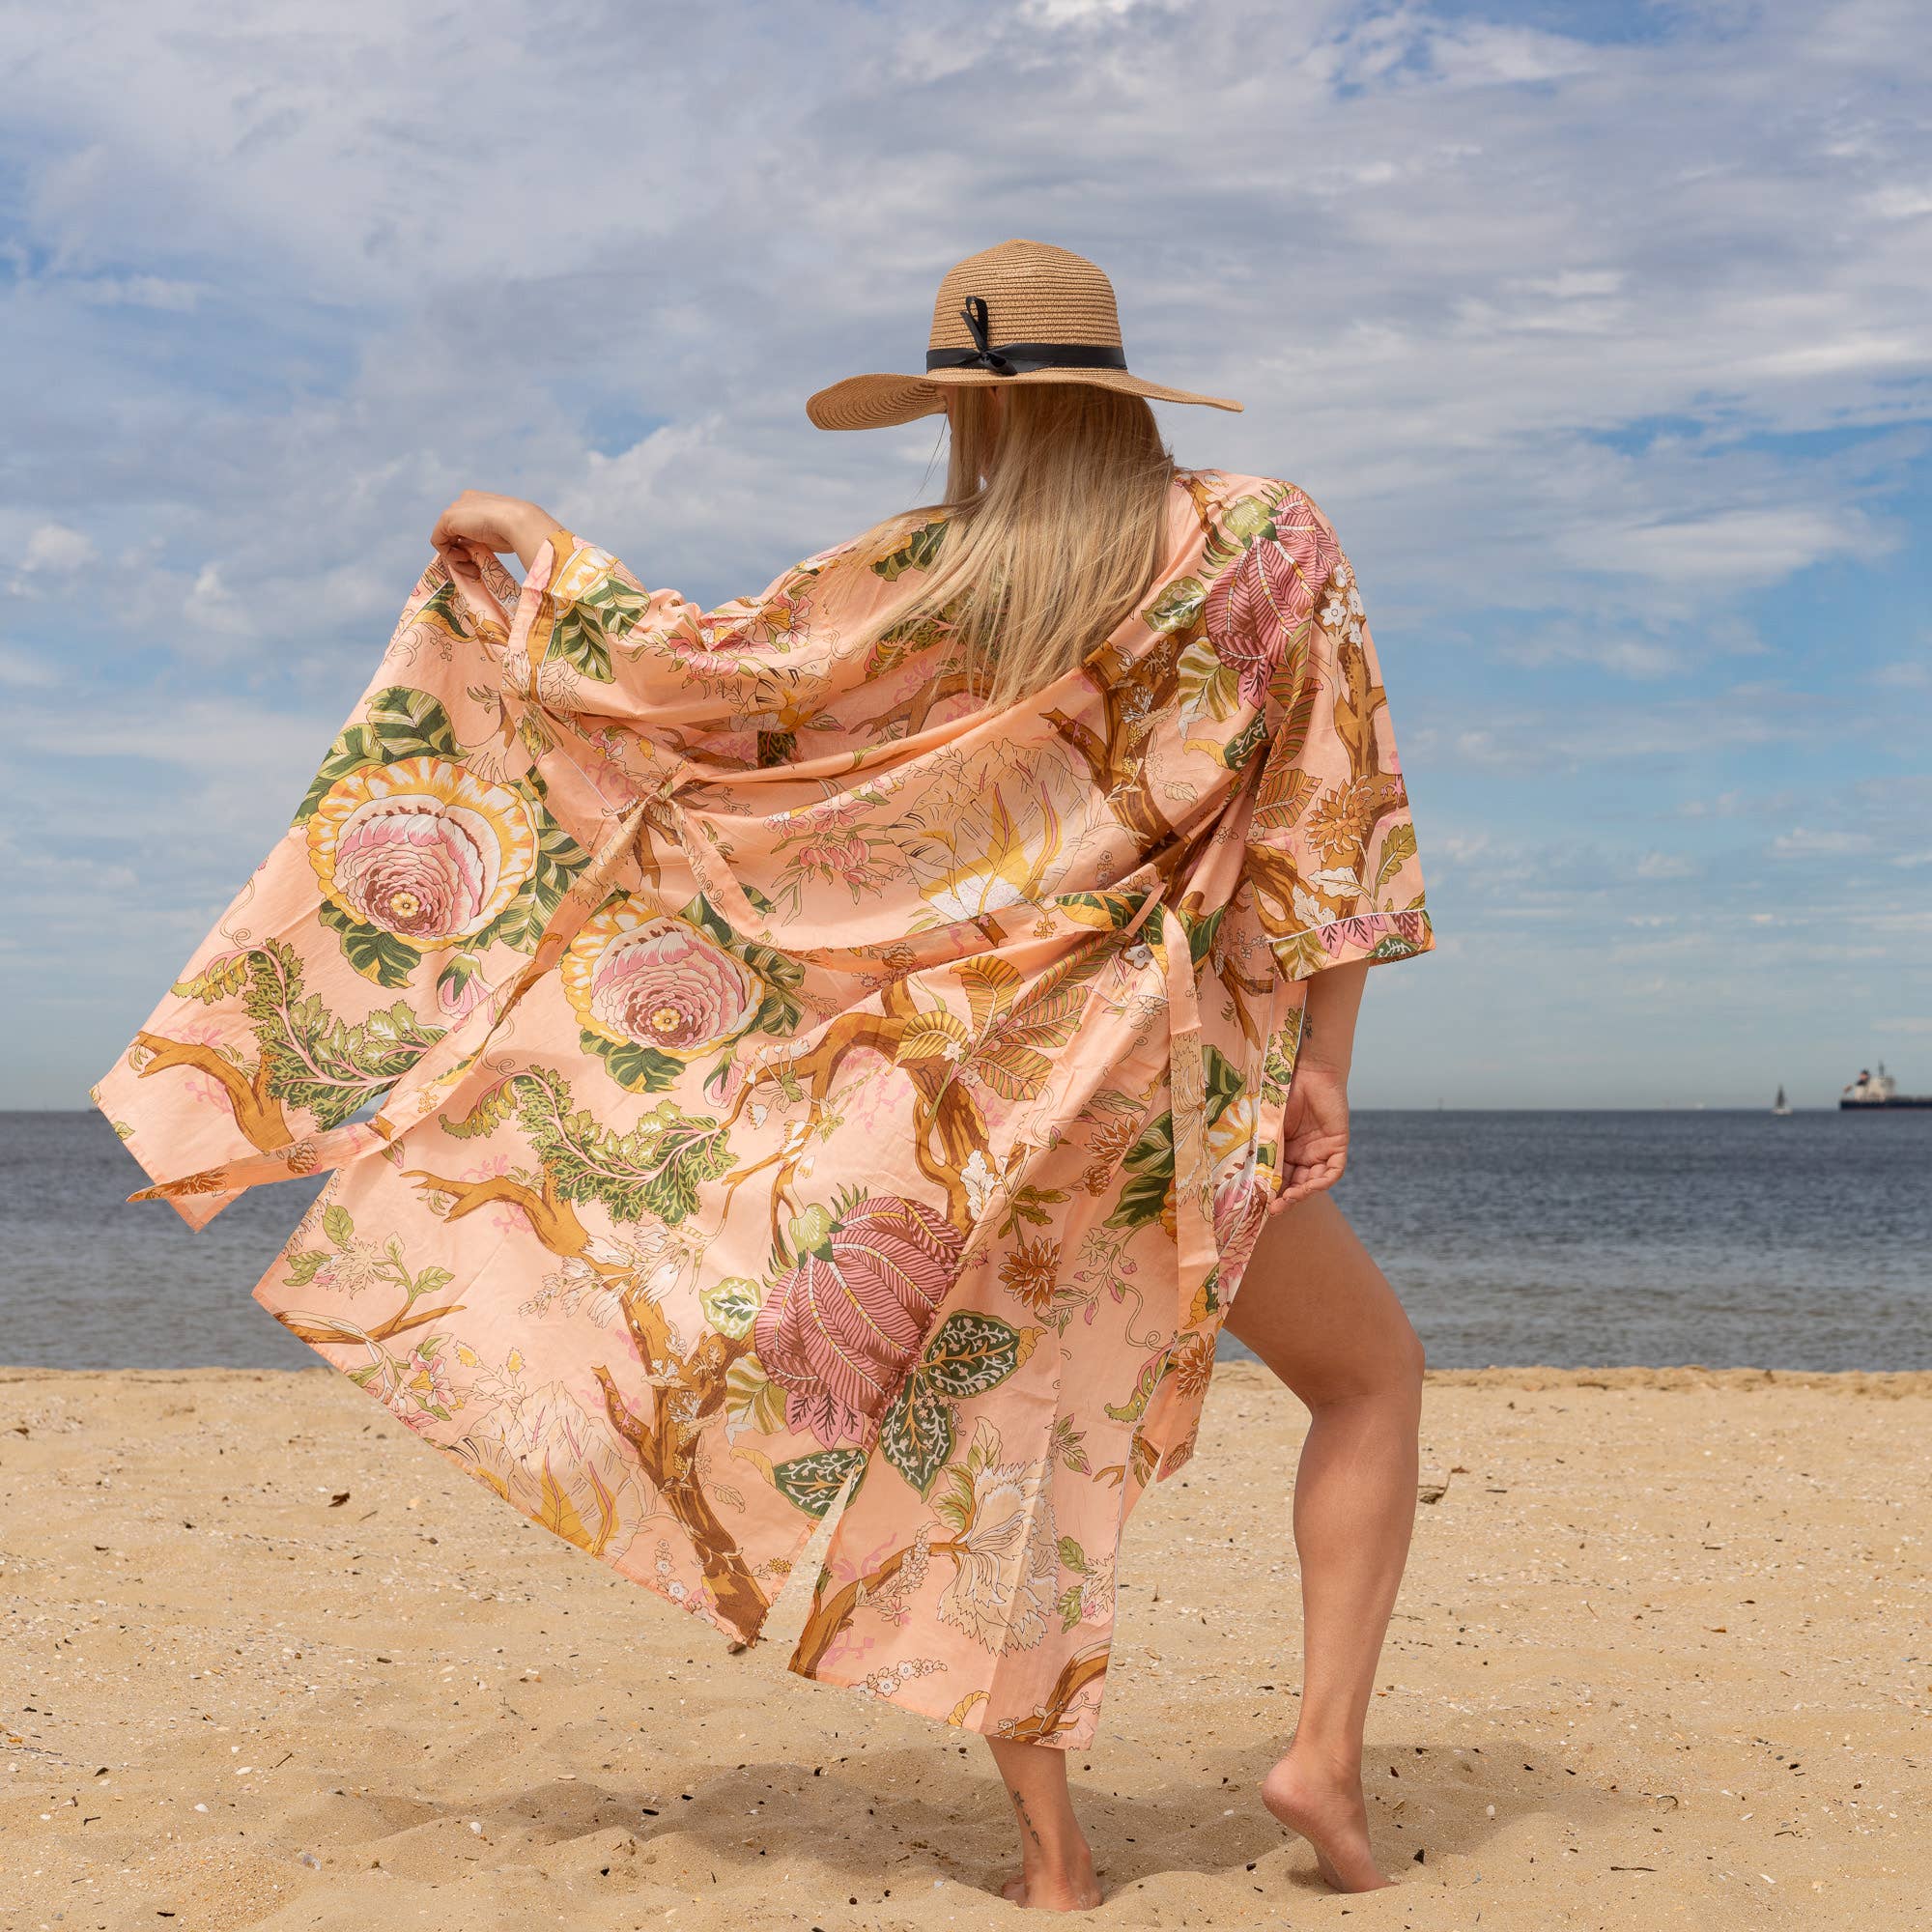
1870, 1090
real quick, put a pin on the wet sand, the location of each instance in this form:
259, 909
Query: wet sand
1661, 1658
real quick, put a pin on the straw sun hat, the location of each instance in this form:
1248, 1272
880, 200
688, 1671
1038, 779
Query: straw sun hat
1021, 313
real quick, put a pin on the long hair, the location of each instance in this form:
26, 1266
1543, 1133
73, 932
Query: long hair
1053, 526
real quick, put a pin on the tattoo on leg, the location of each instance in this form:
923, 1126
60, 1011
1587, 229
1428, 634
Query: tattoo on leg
1019, 1806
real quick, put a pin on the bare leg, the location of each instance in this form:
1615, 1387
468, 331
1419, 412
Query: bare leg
1316, 1310
1057, 1869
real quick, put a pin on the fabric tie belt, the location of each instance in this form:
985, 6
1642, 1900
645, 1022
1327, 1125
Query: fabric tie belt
1196, 1251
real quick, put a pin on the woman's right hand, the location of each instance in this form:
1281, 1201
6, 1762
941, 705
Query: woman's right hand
480, 524
1314, 1133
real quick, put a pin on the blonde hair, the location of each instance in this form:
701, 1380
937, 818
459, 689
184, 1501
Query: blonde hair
1052, 528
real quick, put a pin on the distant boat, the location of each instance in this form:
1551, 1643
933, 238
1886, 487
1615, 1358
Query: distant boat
1780, 1106
1871, 1091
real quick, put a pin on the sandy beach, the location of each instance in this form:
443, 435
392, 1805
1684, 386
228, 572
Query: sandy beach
1661, 1658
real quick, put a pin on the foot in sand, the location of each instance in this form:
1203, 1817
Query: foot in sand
1066, 1883
1324, 1803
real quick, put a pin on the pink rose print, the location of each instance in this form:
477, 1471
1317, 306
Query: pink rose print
839, 1331
1259, 603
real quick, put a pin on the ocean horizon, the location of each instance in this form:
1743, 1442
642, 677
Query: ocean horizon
1559, 1238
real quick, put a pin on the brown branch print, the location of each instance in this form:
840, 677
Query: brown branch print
257, 1112
1076, 1676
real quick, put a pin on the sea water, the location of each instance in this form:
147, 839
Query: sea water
1571, 1239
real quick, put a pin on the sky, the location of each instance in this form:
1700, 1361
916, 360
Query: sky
1601, 332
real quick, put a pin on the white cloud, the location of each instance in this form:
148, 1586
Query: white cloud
1717, 552
212, 606
53, 547
140, 292
1667, 866
1812, 842
1905, 674
26, 671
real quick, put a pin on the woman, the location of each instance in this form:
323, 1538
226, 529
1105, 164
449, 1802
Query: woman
848, 1048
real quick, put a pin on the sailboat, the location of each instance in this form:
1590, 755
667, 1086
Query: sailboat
1780, 1106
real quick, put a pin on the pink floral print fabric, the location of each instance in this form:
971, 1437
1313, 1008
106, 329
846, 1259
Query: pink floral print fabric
757, 1080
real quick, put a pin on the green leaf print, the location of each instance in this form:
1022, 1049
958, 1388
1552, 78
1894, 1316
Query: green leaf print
813, 1482
402, 723
916, 552
1201, 931
655, 1169
560, 860
373, 953
1293, 732
579, 643
316, 1058
1206, 685
1241, 523
732, 1305
917, 1433
643, 1069
429, 1281
618, 604
1150, 1169
690, 1159
351, 752
1178, 606
1067, 1444
221, 981
1278, 1067
1246, 518
1150, 1375
954, 1504
751, 1399
1028, 1203
1398, 848
1394, 947
1106, 909
1245, 744
971, 1354
408, 724
1224, 1083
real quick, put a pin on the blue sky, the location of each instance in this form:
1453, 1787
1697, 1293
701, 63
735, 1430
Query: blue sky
1603, 333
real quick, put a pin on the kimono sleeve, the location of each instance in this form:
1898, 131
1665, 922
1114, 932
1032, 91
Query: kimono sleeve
418, 871
1331, 845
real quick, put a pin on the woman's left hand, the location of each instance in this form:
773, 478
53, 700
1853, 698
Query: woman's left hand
1314, 1134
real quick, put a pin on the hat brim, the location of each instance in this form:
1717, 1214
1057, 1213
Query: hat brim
877, 402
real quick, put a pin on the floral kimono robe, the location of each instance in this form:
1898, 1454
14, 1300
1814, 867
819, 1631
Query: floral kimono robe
757, 1075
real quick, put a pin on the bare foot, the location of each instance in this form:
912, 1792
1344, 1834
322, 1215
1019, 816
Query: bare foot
1068, 1886
1327, 1808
